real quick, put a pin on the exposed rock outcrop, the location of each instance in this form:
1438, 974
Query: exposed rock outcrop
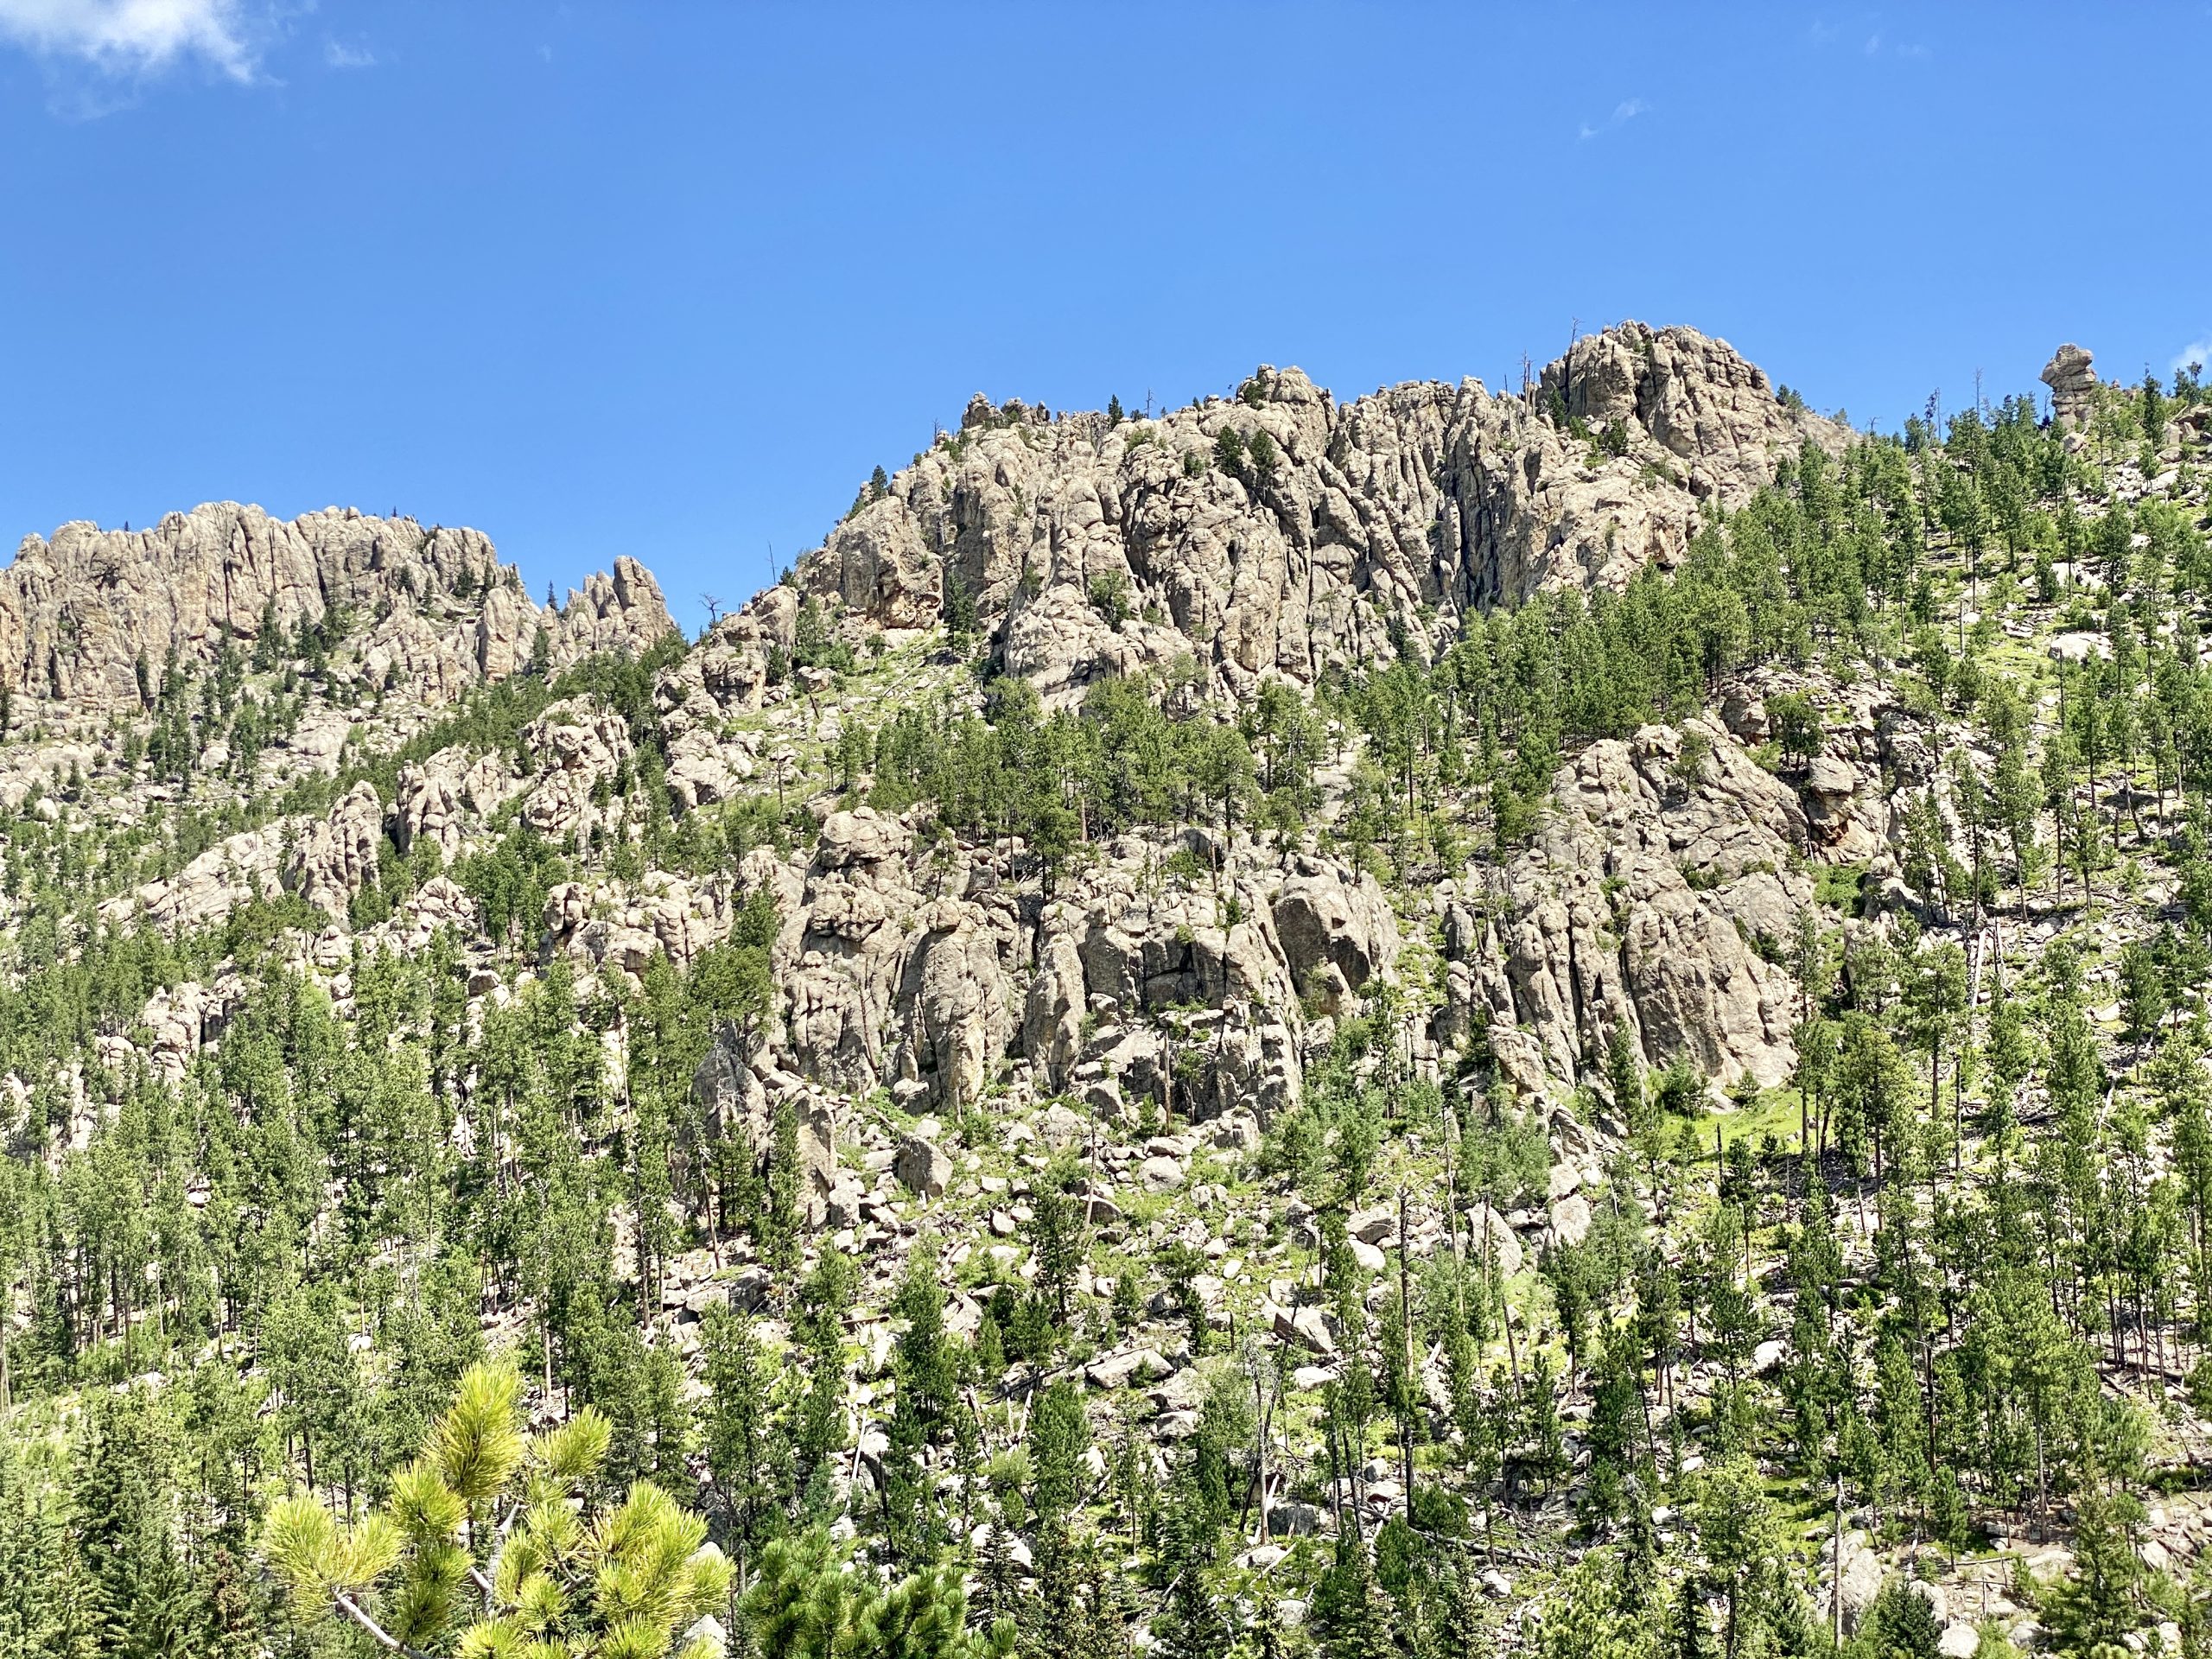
735, 1098
1281, 532
438, 799
1019, 971
1337, 932
81, 611
575, 750
338, 855
2073, 383
882, 979
1661, 869
210, 886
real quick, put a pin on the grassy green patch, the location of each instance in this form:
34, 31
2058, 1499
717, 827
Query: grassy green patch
1839, 886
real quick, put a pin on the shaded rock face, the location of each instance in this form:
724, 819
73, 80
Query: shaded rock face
902, 971
2073, 383
1141, 947
1336, 933
1089, 549
79, 609
1660, 872
1148, 946
734, 1089
338, 856
886, 982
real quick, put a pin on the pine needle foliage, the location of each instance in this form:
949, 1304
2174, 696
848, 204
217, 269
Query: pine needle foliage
497, 1544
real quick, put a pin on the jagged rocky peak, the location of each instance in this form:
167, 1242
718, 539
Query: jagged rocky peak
79, 610
1280, 532
1695, 399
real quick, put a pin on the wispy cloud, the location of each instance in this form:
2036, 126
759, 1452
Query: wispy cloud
1878, 47
339, 55
2198, 351
134, 37
1623, 112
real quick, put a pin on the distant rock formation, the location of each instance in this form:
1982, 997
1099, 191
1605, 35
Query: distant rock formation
80, 612
2073, 386
1280, 532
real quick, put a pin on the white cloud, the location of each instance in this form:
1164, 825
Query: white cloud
1623, 112
2198, 351
339, 55
134, 37
1877, 47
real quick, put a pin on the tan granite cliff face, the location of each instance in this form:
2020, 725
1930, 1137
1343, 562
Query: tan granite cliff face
1088, 548
79, 611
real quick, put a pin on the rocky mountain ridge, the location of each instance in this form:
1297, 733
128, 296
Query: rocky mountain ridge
1087, 545
89, 615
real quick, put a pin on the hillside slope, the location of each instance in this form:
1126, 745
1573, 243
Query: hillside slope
1565, 1021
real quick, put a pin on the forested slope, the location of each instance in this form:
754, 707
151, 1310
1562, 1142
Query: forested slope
1568, 1019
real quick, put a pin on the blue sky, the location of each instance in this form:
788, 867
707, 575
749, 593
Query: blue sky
669, 279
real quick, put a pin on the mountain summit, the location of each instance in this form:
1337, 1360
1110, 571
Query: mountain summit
1280, 532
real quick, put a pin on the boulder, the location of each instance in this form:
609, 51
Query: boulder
1493, 1232
922, 1166
1161, 1174
1236, 1131
863, 836
1308, 1327
1745, 715
1570, 1219
1118, 1370
576, 748
1162, 947
1375, 1225
206, 888
1858, 1580
1325, 916
1295, 1520
1059, 1127
430, 808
